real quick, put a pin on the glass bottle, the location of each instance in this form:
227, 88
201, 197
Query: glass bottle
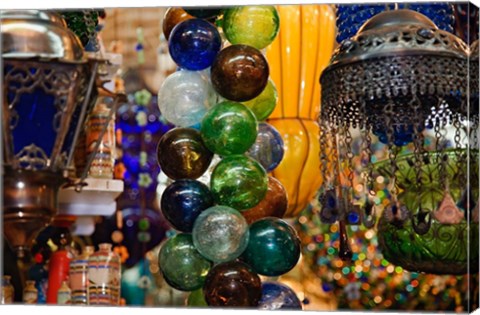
30, 292
103, 162
104, 274
64, 295
78, 276
8, 291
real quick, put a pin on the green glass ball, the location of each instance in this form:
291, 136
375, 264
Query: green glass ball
264, 104
229, 128
181, 264
238, 182
273, 247
256, 26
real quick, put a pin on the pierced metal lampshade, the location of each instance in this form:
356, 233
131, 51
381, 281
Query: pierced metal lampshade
47, 84
398, 136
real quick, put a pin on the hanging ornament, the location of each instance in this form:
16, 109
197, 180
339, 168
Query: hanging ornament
194, 44
229, 128
181, 264
401, 123
232, 284
240, 191
256, 26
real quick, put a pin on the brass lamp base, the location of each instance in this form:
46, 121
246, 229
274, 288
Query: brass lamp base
29, 205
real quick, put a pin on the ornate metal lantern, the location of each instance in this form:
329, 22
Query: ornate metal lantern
47, 88
399, 136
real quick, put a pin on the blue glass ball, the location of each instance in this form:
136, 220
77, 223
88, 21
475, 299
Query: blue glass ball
194, 44
268, 148
183, 201
278, 296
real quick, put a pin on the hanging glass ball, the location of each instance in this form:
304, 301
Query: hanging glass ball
183, 201
264, 104
181, 264
238, 182
229, 128
239, 73
273, 247
276, 296
185, 97
181, 154
256, 26
220, 234
194, 44
268, 147
232, 284
275, 203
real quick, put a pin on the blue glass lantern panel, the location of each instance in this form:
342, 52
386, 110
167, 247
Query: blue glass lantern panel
34, 120
37, 96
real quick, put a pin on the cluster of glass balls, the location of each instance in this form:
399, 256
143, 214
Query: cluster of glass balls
229, 227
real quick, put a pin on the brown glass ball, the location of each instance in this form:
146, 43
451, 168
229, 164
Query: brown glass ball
239, 73
274, 204
172, 17
182, 154
232, 284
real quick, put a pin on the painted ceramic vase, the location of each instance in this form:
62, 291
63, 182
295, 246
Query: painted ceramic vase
78, 277
7, 291
64, 295
104, 272
30, 293
103, 163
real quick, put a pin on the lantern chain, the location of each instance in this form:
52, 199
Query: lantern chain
324, 155
460, 157
418, 141
392, 148
440, 158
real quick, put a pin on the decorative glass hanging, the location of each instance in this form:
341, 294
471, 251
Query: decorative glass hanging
398, 138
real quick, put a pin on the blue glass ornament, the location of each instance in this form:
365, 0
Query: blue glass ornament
276, 296
183, 201
268, 147
194, 44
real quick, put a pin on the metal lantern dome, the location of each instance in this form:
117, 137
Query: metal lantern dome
398, 135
